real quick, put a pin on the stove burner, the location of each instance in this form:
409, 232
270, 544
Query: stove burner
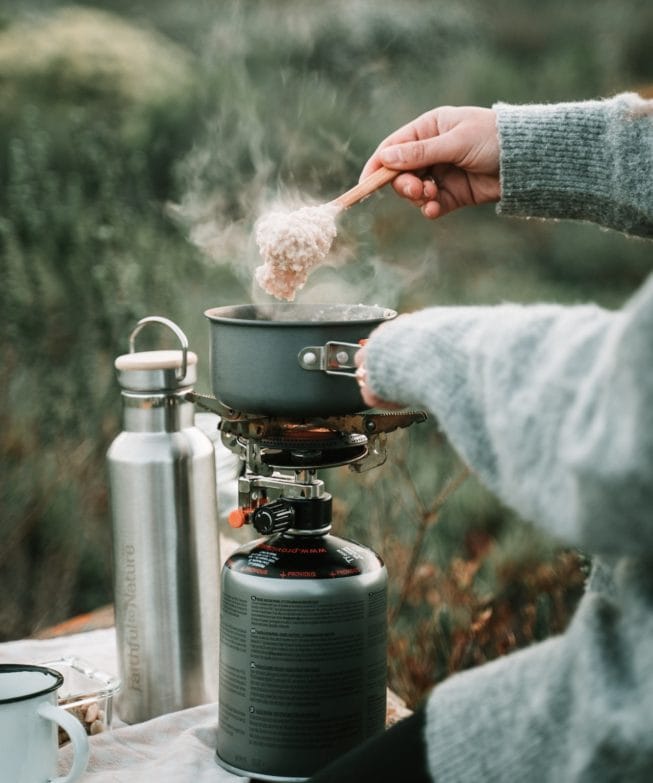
310, 448
268, 442
318, 438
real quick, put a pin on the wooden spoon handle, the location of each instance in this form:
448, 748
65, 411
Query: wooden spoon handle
376, 180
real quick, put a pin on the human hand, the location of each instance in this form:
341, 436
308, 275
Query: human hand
369, 397
450, 156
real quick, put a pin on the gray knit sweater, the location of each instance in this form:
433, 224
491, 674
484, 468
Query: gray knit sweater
553, 408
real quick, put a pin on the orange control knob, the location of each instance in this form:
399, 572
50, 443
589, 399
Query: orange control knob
238, 517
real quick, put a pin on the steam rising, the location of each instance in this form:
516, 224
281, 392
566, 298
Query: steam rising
220, 217
287, 129
348, 273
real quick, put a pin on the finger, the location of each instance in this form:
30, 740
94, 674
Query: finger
418, 191
370, 167
422, 153
408, 186
432, 210
369, 397
422, 127
430, 189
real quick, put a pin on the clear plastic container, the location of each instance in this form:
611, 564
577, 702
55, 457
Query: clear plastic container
86, 693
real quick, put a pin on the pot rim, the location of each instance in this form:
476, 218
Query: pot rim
242, 314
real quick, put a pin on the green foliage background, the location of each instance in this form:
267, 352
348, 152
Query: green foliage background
127, 128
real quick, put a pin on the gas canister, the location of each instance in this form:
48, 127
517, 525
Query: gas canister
303, 645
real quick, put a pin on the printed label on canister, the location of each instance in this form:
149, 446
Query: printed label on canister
302, 669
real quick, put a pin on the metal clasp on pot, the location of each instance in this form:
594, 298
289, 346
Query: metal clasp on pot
332, 358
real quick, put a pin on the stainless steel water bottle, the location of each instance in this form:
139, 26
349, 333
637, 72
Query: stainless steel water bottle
166, 561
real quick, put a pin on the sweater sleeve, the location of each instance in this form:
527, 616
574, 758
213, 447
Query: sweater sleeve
551, 406
587, 161
572, 708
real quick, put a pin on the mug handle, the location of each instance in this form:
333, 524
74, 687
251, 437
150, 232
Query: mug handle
77, 735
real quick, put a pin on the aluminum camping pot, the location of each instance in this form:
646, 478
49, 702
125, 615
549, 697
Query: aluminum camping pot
290, 359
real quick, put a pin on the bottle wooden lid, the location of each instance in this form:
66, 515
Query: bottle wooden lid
156, 371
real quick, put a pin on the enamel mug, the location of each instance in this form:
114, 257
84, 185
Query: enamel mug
29, 717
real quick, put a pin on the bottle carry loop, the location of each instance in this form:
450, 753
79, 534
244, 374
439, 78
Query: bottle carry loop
180, 372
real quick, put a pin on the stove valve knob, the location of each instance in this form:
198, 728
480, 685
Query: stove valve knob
273, 517
239, 517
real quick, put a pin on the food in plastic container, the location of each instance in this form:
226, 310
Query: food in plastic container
86, 693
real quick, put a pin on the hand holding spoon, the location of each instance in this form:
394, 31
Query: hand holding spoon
293, 243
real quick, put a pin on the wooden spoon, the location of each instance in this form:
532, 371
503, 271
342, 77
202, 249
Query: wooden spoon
376, 180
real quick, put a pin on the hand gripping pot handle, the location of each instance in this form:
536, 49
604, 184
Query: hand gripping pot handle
332, 358
180, 372
77, 734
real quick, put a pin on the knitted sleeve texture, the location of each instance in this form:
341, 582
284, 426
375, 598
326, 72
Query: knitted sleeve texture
588, 161
552, 406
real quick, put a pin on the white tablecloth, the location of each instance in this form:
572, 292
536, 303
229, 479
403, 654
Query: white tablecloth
174, 748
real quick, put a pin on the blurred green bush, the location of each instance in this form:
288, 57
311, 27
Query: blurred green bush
94, 114
128, 128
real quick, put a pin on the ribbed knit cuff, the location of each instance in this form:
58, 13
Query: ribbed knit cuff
587, 161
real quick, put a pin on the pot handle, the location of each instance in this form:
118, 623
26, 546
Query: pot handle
332, 358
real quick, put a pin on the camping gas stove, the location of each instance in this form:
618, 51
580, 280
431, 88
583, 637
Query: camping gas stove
303, 618
281, 456
270, 445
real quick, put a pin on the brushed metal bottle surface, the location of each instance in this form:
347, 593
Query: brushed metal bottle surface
165, 556
302, 654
